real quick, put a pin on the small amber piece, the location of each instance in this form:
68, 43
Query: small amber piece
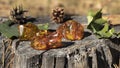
54, 40
72, 30
40, 43
27, 31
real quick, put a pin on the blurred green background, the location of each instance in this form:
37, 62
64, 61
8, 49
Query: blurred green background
44, 7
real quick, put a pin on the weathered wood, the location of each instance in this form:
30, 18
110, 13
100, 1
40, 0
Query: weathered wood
94, 58
86, 53
60, 62
89, 52
47, 61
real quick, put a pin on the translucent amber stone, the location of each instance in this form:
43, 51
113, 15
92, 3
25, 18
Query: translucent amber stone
28, 31
72, 30
52, 40
39, 43
55, 40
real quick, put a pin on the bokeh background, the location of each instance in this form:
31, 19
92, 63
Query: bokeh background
44, 7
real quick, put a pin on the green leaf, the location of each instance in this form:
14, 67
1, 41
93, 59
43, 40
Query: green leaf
98, 14
43, 26
111, 31
106, 32
100, 21
95, 21
100, 26
7, 30
95, 27
90, 18
116, 34
106, 27
95, 15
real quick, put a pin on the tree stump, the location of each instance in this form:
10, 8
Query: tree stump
90, 52
87, 53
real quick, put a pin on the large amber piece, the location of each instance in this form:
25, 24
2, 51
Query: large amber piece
72, 30
48, 41
27, 31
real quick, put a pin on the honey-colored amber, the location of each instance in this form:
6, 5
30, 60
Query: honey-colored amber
54, 40
43, 39
39, 43
48, 41
28, 31
72, 30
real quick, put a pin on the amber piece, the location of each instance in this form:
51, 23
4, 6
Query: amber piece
72, 30
48, 41
54, 40
40, 43
42, 33
27, 31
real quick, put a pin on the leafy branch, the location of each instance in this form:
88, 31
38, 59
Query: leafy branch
99, 26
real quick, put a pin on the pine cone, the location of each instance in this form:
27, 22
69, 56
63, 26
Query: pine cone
58, 15
17, 14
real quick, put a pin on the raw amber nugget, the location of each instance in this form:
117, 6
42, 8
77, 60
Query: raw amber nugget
27, 31
72, 30
47, 41
39, 43
55, 40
